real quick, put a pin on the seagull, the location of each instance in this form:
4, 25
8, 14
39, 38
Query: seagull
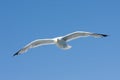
61, 41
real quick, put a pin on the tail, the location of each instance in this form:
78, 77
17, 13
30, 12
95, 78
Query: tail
68, 47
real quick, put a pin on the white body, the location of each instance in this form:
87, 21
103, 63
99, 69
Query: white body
61, 43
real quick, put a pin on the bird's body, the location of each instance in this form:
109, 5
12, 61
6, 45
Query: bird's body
61, 42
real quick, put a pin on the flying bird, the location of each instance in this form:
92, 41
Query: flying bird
61, 41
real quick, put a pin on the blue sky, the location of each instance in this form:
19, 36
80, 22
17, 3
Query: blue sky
22, 21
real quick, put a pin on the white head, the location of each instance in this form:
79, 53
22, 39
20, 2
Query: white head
57, 39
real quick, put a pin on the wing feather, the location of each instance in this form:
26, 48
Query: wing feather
33, 44
79, 34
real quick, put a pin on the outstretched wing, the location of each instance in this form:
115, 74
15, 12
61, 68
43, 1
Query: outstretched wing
78, 34
34, 44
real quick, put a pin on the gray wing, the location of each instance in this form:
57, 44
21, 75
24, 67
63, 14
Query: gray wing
79, 34
33, 44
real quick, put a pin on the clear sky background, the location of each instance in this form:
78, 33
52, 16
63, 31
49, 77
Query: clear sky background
22, 21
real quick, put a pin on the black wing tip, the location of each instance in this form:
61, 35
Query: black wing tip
17, 53
104, 35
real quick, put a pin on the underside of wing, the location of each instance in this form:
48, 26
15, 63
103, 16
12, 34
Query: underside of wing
75, 35
33, 44
78, 34
40, 42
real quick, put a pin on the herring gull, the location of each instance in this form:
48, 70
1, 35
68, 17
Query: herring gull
61, 42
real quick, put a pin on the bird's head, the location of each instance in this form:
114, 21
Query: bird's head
57, 39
